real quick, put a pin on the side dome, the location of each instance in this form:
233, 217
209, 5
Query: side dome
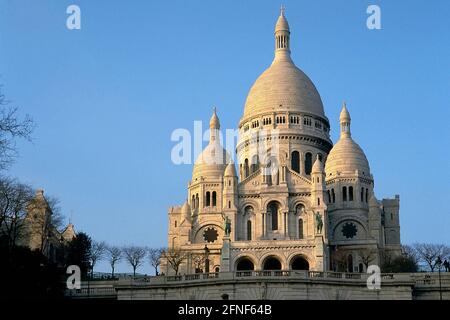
346, 155
230, 171
213, 160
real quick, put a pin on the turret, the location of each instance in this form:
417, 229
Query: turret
282, 38
318, 183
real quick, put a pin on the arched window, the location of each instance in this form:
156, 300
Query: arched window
208, 199
320, 157
300, 228
229, 204
175, 223
318, 201
246, 168
273, 209
350, 193
329, 196
344, 193
308, 163
333, 195
295, 161
214, 199
367, 195
249, 230
196, 201
299, 209
193, 202
362, 194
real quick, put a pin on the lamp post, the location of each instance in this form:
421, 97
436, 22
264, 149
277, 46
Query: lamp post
439, 263
206, 259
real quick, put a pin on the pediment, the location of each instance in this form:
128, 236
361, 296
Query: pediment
296, 181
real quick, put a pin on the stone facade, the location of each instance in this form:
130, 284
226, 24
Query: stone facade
40, 234
295, 202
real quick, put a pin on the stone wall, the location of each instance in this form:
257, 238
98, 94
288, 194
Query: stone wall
282, 285
270, 285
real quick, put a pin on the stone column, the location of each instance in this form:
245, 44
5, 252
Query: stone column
225, 255
319, 253
263, 224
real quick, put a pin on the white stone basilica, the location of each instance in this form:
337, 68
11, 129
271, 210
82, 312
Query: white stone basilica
296, 201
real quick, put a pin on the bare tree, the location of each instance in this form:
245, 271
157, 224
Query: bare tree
410, 252
175, 257
154, 256
97, 253
429, 253
134, 256
339, 258
14, 198
367, 256
113, 255
10, 129
198, 261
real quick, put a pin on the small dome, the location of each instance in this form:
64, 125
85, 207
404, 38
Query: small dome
230, 171
347, 156
317, 166
214, 158
69, 233
211, 162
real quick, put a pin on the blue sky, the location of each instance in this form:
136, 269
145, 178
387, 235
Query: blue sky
106, 98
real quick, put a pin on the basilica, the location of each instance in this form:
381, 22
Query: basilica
292, 200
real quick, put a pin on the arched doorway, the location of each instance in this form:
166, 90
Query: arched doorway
272, 263
244, 264
299, 263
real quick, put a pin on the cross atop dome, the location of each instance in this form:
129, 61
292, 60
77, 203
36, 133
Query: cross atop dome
282, 10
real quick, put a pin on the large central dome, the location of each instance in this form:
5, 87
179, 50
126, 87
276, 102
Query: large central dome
283, 86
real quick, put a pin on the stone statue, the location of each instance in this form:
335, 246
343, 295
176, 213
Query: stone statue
319, 223
227, 226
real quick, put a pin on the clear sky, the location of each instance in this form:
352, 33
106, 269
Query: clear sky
106, 98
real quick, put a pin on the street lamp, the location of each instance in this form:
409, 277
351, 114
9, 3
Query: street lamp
206, 259
439, 264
